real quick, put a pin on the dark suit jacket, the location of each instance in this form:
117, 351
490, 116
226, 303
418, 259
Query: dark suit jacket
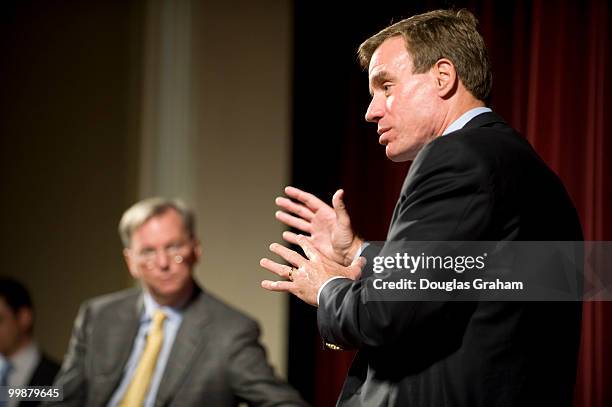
216, 359
43, 376
483, 182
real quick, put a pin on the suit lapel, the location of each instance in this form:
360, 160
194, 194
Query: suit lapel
414, 166
188, 343
118, 334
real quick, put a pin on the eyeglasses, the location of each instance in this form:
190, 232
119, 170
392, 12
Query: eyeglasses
176, 253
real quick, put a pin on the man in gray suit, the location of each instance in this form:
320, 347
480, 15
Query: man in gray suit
169, 343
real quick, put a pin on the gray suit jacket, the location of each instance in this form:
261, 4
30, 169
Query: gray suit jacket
216, 359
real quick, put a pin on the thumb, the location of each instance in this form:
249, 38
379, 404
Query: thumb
340, 208
354, 270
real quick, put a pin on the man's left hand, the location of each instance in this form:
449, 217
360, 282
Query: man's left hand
305, 275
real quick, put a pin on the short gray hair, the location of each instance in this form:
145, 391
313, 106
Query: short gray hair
146, 209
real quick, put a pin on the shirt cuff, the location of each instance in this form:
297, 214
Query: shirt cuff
323, 286
361, 249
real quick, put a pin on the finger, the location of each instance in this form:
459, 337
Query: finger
281, 270
340, 208
293, 222
309, 250
290, 237
291, 256
308, 199
290, 206
285, 286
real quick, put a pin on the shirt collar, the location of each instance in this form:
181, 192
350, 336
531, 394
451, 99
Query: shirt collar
150, 306
29, 355
464, 118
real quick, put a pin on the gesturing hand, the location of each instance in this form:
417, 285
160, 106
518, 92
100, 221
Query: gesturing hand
329, 228
307, 274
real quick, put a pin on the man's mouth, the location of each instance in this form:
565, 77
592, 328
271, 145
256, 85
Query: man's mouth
381, 132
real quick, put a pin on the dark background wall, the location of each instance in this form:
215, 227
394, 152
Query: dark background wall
67, 138
106, 102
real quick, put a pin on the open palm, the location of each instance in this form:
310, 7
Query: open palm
329, 228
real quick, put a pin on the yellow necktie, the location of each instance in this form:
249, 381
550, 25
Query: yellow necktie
137, 390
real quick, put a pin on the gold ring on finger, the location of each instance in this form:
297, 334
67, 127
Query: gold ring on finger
291, 271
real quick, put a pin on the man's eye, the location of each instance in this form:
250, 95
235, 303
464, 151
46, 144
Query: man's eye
173, 248
387, 88
147, 253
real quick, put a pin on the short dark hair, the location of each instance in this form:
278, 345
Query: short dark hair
451, 34
15, 294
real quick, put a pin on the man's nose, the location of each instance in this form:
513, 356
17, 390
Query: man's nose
375, 110
163, 260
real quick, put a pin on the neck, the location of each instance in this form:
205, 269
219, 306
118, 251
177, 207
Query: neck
457, 107
177, 300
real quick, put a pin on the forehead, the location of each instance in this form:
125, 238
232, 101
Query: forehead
391, 55
159, 228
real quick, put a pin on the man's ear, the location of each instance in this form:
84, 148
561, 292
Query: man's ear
131, 263
197, 250
445, 76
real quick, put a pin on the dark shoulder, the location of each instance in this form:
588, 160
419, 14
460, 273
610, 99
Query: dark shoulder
45, 372
491, 148
494, 154
483, 143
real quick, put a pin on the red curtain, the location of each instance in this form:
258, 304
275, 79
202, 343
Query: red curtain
553, 78
552, 71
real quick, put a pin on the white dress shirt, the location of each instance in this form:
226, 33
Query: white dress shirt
23, 363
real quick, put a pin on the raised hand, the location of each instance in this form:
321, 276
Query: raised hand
329, 228
306, 275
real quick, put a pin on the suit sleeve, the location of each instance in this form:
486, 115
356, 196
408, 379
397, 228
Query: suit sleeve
252, 378
71, 376
448, 196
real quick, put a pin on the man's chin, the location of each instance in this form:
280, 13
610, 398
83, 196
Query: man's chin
168, 297
175, 288
398, 157
169, 290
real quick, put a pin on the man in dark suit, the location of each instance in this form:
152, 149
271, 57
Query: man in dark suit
22, 363
170, 343
473, 178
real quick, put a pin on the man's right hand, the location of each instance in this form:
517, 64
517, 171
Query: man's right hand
329, 228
